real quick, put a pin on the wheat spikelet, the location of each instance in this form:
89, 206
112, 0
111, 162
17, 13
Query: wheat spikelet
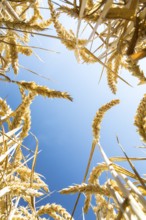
25, 175
21, 110
19, 217
74, 12
36, 13
54, 208
86, 56
22, 25
18, 190
96, 172
22, 91
104, 209
111, 78
7, 58
140, 118
26, 117
87, 202
99, 116
14, 54
90, 4
19, 182
26, 37
25, 212
112, 72
116, 64
5, 109
26, 124
45, 24
114, 185
24, 50
18, 156
134, 68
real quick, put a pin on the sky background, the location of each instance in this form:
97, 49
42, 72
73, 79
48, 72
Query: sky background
64, 129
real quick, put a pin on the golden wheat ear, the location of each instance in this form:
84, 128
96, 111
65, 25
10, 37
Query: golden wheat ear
42, 90
55, 211
140, 118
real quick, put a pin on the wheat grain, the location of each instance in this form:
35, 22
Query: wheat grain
86, 188
140, 117
43, 90
54, 208
21, 110
87, 202
68, 39
99, 116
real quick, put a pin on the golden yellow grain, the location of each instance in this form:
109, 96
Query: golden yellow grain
67, 38
26, 124
18, 156
3, 206
25, 212
96, 172
5, 109
99, 116
19, 217
18, 190
25, 175
36, 13
54, 208
19, 182
7, 58
90, 4
111, 78
116, 64
86, 56
87, 202
140, 118
26, 37
114, 186
43, 90
104, 209
85, 188
74, 12
14, 54
22, 91
21, 110
45, 24
24, 26
112, 72
134, 68
24, 50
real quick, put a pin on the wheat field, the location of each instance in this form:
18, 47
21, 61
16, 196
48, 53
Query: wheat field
111, 33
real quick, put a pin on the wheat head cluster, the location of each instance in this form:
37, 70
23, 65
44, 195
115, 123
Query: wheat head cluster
114, 36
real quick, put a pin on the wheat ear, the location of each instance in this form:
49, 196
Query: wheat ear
140, 118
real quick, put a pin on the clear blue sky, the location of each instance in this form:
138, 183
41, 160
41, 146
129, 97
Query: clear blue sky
63, 128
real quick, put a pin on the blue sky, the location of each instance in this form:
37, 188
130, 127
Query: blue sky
64, 129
